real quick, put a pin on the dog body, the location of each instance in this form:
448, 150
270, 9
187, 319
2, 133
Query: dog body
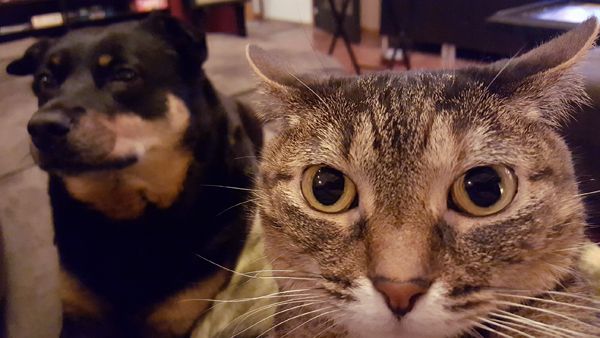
148, 171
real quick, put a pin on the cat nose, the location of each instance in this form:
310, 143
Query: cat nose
401, 296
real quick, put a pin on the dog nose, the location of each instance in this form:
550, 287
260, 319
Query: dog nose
401, 296
48, 127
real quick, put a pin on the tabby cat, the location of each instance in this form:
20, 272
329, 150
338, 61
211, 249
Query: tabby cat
427, 204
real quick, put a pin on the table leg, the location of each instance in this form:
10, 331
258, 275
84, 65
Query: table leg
240, 19
339, 18
448, 55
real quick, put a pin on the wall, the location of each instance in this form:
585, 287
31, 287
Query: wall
370, 15
300, 11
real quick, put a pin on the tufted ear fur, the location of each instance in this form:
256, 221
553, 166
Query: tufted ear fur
545, 80
29, 62
279, 79
271, 68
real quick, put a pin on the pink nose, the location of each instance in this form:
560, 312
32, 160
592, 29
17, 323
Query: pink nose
401, 296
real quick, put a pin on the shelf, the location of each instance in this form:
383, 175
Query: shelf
24, 2
75, 23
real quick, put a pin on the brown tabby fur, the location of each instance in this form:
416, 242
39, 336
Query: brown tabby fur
403, 139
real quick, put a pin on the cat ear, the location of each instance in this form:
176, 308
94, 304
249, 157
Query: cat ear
270, 67
279, 80
546, 78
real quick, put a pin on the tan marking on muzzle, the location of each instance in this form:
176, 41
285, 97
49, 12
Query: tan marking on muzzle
159, 175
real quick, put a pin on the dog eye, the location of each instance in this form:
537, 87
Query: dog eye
46, 81
484, 190
124, 74
328, 190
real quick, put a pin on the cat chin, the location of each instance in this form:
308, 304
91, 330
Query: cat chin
369, 316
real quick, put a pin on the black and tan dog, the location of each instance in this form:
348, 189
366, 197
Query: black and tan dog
139, 148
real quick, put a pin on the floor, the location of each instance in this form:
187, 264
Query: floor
368, 52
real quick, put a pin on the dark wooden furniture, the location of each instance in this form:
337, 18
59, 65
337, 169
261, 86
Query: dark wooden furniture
342, 19
17, 14
463, 23
339, 16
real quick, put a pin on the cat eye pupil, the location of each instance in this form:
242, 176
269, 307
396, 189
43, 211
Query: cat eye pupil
328, 190
484, 190
328, 185
483, 185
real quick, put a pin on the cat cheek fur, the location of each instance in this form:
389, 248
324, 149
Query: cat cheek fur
404, 138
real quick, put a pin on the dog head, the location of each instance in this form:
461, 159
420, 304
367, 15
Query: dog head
110, 97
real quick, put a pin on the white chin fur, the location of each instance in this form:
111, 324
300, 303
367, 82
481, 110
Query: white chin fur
369, 316
127, 148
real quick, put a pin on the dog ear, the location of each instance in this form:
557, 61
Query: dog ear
28, 63
187, 41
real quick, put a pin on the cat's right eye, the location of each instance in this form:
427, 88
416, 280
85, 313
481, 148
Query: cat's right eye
484, 190
328, 190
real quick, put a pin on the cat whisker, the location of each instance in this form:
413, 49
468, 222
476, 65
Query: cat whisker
294, 317
240, 300
573, 248
274, 295
528, 325
268, 306
255, 276
558, 293
243, 157
310, 89
504, 326
290, 271
308, 321
225, 186
551, 302
533, 323
278, 313
553, 313
487, 328
588, 193
473, 333
562, 271
504, 67
237, 205
327, 329
287, 277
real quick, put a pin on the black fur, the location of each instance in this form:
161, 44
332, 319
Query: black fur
133, 265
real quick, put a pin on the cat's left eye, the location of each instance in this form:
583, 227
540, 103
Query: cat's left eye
328, 190
484, 190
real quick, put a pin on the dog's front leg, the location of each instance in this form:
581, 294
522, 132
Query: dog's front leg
83, 314
176, 317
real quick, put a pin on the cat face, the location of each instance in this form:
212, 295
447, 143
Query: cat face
409, 203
